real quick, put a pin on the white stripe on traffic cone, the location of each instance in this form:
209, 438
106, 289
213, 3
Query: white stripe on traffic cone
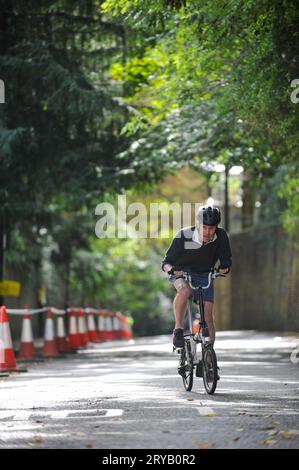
27, 350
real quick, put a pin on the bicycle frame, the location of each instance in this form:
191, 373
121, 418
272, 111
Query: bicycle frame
188, 355
200, 304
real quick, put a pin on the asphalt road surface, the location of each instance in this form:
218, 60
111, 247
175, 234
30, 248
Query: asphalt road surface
128, 395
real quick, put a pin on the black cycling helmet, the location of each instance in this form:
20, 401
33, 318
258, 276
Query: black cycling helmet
209, 215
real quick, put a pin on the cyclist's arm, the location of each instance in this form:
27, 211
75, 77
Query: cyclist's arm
174, 250
225, 254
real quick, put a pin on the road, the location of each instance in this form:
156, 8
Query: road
128, 395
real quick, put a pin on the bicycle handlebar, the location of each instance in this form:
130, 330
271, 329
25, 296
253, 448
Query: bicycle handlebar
213, 274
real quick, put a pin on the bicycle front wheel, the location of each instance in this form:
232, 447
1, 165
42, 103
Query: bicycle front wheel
187, 367
210, 372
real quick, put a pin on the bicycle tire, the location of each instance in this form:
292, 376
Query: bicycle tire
210, 371
188, 364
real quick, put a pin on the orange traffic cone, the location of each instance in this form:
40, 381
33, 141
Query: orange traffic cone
27, 350
122, 333
7, 355
82, 328
117, 325
50, 348
114, 325
109, 327
74, 338
126, 330
101, 325
92, 334
61, 341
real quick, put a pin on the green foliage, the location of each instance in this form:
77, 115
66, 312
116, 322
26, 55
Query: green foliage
123, 276
60, 115
221, 85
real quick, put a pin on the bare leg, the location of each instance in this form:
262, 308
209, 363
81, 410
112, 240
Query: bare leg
210, 320
180, 302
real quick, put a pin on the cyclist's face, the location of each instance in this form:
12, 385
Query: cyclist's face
206, 232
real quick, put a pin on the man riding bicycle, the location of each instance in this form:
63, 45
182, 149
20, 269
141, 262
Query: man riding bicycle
197, 248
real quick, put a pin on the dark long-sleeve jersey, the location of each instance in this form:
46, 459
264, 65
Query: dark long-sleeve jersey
184, 252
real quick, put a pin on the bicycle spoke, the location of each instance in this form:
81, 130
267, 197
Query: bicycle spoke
186, 367
210, 371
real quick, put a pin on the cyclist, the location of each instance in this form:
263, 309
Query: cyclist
197, 248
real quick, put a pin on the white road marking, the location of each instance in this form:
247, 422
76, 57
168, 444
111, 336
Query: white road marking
113, 413
59, 414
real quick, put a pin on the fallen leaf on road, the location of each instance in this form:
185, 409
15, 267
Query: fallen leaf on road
269, 442
190, 399
273, 432
88, 446
38, 439
203, 446
287, 434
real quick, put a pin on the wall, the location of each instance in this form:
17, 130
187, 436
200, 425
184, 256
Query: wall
262, 290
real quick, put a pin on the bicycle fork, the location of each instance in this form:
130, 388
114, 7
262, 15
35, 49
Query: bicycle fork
193, 338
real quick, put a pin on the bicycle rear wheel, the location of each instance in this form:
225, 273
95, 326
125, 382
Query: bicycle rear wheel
210, 372
186, 366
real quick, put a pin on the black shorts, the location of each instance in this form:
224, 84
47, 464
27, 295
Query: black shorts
199, 279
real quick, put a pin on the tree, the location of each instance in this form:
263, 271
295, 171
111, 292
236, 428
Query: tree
60, 115
234, 58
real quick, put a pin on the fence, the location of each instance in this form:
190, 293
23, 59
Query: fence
262, 290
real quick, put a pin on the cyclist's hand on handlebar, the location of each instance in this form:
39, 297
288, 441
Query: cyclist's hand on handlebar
178, 273
168, 269
171, 271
